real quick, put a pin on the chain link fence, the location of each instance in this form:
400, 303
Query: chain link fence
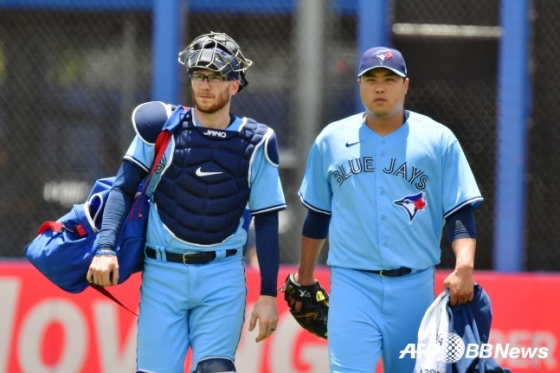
69, 81
453, 74
542, 239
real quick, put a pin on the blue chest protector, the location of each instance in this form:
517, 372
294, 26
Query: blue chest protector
203, 192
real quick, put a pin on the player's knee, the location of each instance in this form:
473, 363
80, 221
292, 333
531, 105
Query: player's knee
215, 365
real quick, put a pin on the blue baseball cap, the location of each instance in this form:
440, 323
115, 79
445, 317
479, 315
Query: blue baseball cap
383, 57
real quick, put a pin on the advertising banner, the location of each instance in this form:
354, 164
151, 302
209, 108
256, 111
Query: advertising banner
45, 330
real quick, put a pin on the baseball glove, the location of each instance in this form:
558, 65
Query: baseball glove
315, 305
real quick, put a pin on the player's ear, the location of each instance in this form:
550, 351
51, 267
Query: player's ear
406, 84
234, 87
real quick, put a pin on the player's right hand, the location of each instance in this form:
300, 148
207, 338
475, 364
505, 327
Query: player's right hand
104, 270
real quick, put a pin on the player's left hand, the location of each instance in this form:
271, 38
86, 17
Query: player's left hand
461, 287
266, 313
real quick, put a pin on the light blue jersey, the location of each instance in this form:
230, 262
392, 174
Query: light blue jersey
189, 305
266, 194
388, 195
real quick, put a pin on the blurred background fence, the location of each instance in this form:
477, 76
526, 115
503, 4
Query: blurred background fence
70, 77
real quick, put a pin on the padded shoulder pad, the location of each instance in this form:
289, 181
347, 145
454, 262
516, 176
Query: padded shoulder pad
148, 119
271, 148
268, 137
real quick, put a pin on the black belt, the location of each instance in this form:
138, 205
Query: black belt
199, 258
397, 272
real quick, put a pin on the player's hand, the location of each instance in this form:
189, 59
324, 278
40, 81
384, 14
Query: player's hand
266, 313
309, 304
104, 270
296, 304
461, 287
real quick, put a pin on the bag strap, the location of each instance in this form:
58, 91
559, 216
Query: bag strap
163, 139
106, 293
55, 226
161, 145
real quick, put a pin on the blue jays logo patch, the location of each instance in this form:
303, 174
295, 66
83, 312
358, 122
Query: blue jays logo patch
383, 56
412, 204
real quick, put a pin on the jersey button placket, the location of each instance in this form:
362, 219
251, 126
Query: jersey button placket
381, 201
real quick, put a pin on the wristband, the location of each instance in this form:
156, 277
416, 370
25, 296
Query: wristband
105, 252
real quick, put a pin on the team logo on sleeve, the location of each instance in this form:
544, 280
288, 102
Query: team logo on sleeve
412, 204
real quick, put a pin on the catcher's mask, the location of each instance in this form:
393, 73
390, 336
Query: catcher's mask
217, 52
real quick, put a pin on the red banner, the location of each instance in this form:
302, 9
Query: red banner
43, 329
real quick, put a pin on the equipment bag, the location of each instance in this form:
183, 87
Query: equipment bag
64, 249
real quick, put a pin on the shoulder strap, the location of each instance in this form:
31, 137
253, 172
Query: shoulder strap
176, 118
162, 141
106, 293
161, 144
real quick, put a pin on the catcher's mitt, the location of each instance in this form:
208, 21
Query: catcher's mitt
314, 308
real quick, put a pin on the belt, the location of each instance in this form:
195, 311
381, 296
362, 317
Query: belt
199, 258
397, 272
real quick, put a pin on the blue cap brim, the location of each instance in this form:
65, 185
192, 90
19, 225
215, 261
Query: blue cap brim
382, 67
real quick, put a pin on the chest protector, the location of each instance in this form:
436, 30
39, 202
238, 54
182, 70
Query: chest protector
203, 193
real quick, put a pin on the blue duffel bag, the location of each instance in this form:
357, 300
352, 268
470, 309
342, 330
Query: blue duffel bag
64, 249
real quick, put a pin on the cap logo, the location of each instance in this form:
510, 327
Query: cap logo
383, 56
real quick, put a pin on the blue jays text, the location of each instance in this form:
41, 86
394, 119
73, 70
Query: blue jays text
365, 164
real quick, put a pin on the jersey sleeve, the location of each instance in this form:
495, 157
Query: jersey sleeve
266, 189
459, 185
315, 191
140, 153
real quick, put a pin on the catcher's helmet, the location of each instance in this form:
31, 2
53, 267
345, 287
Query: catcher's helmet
217, 52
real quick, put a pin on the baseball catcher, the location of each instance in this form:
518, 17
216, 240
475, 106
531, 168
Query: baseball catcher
219, 169
313, 313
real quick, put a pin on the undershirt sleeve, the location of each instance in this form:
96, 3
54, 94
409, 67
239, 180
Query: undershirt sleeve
461, 224
268, 250
316, 225
118, 203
